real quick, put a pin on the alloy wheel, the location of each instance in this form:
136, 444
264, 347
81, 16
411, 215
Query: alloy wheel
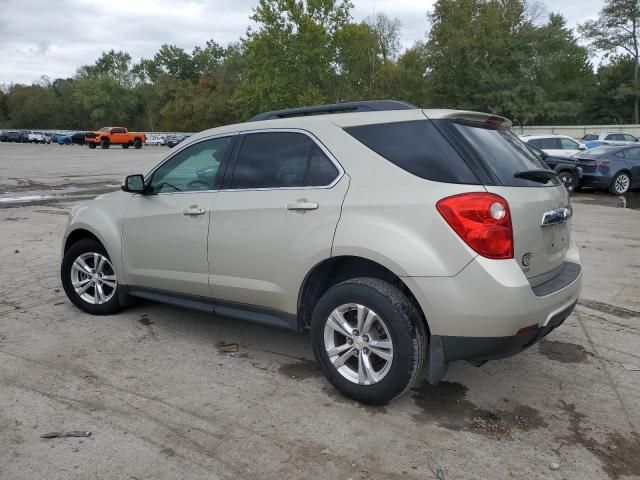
358, 344
621, 184
93, 278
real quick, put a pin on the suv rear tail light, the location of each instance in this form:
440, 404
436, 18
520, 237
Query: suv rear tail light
482, 220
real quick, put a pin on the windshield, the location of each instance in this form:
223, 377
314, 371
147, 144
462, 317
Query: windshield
104, 129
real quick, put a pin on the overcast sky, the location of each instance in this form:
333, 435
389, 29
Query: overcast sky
40, 37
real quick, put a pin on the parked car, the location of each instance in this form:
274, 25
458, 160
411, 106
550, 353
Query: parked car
38, 137
568, 172
613, 168
107, 136
76, 138
555, 145
156, 140
399, 252
10, 136
174, 140
592, 140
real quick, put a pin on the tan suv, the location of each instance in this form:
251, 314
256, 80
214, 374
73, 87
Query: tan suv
404, 239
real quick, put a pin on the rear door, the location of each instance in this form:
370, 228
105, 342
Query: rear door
274, 219
540, 245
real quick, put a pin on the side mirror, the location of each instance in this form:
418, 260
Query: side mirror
133, 184
582, 146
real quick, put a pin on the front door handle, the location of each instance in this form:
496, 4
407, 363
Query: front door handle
193, 210
303, 204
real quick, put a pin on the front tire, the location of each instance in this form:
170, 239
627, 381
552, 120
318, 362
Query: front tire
92, 145
137, 144
620, 184
89, 279
369, 340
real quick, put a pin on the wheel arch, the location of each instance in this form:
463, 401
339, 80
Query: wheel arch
334, 270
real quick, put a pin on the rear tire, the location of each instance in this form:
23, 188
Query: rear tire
383, 359
92, 145
137, 144
98, 276
620, 184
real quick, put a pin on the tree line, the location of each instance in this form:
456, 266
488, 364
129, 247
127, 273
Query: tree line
497, 56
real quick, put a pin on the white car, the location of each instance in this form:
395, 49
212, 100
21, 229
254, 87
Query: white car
156, 140
38, 137
555, 145
592, 140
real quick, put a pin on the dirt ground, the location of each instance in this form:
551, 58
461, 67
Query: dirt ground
163, 401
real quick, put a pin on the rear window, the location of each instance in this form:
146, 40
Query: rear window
417, 147
503, 154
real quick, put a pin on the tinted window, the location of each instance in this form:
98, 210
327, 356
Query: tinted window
503, 153
321, 170
417, 147
193, 169
272, 160
632, 153
590, 137
616, 137
630, 138
545, 143
568, 144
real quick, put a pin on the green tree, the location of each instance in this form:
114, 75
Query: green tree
617, 29
290, 57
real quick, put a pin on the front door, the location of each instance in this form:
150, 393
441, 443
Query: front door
164, 238
274, 219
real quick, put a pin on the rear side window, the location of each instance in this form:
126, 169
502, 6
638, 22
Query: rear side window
545, 143
590, 137
503, 153
321, 171
417, 147
281, 160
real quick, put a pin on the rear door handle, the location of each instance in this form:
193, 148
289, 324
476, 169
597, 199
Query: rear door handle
303, 204
193, 210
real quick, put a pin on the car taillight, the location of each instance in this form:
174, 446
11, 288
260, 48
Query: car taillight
482, 220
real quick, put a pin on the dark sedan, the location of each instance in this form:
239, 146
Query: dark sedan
568, 172
614, 168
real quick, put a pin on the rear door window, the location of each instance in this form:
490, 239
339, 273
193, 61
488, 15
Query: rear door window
545, 143
503, 154
418, 148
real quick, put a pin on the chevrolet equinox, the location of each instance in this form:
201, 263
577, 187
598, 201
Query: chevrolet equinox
403, 239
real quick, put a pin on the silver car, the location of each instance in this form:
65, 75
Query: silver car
403, 239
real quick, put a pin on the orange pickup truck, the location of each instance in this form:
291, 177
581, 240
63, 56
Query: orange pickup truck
107, 136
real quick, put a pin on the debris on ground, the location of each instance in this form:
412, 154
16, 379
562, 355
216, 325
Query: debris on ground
230, 347
554, 466
74, 433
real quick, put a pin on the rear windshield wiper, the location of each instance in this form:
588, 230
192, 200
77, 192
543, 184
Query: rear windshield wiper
541, 175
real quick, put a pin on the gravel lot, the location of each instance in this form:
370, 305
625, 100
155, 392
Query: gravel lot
162, 401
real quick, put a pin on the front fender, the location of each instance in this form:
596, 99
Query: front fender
102, 217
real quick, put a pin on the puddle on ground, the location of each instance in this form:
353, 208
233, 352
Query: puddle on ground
619, 312
563, 351
48, 195
618, 453
629, 200
446, 404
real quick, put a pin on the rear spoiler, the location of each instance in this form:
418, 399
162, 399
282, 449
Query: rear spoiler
486, 119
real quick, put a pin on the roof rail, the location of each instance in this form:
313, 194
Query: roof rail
347, 107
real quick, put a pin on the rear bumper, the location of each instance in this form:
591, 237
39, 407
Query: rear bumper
478, 314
